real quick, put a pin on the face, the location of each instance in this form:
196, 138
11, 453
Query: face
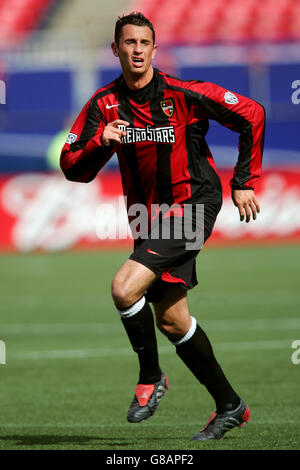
135, 50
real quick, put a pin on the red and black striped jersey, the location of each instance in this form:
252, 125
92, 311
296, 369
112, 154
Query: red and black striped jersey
164, 157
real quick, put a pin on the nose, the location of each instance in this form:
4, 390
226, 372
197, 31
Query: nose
138, 48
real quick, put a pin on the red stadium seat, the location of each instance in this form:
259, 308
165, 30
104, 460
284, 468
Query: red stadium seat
270, 21
18, 18
147, 7
294, 22
192, 21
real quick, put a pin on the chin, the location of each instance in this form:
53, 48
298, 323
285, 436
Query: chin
138, 70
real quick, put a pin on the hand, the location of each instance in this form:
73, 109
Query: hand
112, 134
246, 202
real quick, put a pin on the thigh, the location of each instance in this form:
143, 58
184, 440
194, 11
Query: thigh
131, 281
183, 276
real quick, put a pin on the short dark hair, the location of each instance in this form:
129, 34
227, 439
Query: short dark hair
135, 18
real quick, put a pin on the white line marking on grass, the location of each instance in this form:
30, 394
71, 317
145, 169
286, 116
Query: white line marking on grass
253, 297
60, 328
86, 353
72, 353
255, 345
255, 324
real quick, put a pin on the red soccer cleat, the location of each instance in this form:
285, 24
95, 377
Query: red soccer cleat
146, 400
219, 423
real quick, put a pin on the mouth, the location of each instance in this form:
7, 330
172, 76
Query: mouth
138, 61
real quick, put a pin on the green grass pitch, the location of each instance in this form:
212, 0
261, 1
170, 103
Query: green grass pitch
70, 374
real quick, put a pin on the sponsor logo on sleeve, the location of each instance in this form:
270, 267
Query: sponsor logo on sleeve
71, 138
230, 98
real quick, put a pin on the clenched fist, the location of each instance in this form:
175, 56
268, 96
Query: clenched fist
112, 134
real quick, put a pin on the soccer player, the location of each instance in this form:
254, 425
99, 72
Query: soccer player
157, 125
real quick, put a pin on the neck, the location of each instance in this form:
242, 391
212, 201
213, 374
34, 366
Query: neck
136, 81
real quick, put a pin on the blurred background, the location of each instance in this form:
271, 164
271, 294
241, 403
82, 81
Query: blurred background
55, 54
70, 372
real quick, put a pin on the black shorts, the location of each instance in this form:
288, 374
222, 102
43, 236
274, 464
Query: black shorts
173, 258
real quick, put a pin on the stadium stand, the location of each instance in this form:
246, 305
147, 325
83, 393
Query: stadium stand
195, 21
74, 16
18, 18
183, 22
64, 48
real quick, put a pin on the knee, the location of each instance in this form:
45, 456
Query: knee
122, 293
173, 325
171, 328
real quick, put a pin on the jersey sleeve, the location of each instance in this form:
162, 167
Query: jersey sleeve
83, 154
242, 115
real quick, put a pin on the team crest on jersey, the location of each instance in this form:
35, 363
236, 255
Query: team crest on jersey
230, 98
168, 107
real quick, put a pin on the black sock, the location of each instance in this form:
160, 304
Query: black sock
198, 356
140, 329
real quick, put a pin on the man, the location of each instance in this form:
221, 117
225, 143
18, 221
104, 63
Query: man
156, 124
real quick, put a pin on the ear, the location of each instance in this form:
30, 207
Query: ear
115, 49
154, 51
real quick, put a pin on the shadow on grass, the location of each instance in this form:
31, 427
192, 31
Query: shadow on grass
45, 440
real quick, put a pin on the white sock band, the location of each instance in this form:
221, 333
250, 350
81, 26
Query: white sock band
188, 335
135, 308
